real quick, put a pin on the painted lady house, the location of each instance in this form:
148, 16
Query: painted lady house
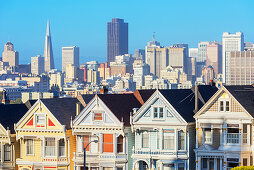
164, 129
45, 135
224, 137
9, 147
106, 119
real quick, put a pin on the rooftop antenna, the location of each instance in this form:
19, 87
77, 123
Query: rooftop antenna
153, 36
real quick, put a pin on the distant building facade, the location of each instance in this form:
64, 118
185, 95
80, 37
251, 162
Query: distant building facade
214, 57
117, 39
230, 42
37, 65
70, 55
9, 55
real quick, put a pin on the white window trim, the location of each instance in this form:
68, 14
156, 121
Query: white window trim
45, 120
102, 114
204, 142
26, 147
62, 156
148, 139
224, 105
56, 149
158, 107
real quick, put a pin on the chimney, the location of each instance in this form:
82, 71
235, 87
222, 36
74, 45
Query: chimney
104, 90
212, 83
78, 108
4, 100
196, 98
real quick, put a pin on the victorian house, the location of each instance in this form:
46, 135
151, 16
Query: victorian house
164, 129
45, 135
224, 129
9, 147
105, 124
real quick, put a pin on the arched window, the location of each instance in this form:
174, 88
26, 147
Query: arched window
120, 144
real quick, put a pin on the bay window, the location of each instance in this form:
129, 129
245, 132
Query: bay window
29, 146
7, 152
145, 139
181, 141
207, 135
61, 147
168, 139
233, 133
50, 147
120, 144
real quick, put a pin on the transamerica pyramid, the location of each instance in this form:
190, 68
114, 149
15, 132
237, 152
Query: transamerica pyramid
48, 52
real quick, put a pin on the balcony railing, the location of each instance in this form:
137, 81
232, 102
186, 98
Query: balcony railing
163, 152
80, 156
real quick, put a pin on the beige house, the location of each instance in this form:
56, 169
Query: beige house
224, 129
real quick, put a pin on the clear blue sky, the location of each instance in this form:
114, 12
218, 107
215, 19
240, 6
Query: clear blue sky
84, 23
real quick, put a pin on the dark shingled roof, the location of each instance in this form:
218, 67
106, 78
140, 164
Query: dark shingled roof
244, 94
183, 100
121, 105
88, 97
11, 114
62, 108
146, 94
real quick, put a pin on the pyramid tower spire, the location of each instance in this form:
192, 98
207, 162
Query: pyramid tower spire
48, 51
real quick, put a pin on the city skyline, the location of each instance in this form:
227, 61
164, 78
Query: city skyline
29, 38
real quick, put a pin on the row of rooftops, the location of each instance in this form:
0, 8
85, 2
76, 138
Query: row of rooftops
183, 100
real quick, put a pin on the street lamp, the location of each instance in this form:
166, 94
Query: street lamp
95, 141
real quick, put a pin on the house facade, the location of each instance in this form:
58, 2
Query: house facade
164, 130
105, 119
9, 147
224, 129
45, 136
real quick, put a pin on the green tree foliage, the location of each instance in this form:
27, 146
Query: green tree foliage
243, 168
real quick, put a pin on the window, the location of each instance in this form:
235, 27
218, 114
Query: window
61, 147
181, 166
145, 139
204, 163
224, 106
168, 139
97, 116
245, 162
245, 134
50, 147
158, 112
108, 143
181, 140
233, 133
207, 135
86, 142
155, 112
29, 146
7, 152
232, 162
40, 119
120, 144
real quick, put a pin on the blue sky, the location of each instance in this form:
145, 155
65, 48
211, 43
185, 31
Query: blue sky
84, 23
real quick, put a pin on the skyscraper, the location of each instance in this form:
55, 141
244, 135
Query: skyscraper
214, 57
117, 38
37, 65
70, 55
48, 52
9, 55
230, 42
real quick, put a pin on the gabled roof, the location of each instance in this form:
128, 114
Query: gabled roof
11, 114
183, 100
85, 98
62, 108
143, 95
244, 94
121, 105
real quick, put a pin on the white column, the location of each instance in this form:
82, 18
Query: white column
197, 138
101, 142
215, 163
221, 164
199, 163
2, 152
114, 143
221, 136
248, 134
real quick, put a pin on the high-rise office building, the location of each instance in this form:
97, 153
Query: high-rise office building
9, 55
202, 46
117, 39
230, 42
70, 55
241, 67
48, 52
37, 65
193, 52
214, 57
